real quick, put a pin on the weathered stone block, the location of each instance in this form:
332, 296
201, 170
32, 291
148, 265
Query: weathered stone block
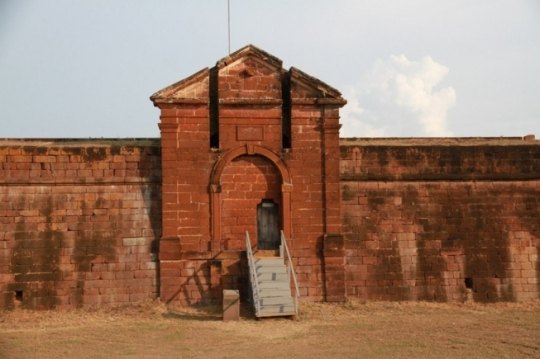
231, 305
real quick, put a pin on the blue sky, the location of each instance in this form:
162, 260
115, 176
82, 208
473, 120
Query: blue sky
79, 68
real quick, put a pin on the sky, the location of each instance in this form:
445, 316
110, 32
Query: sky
422, 68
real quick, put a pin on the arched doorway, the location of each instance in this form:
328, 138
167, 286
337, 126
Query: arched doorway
228, 222
250, 201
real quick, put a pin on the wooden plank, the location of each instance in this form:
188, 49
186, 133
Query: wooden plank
283, 300
274, 285
273, 292
277, 270
277, 309
272, 276
274, 262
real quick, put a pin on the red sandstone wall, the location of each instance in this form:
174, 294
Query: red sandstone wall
306, 165
186, 273
193, 269
257, 84
79, 222
210, 196
426, 222
245, 182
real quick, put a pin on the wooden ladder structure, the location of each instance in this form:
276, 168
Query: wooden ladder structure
271, 279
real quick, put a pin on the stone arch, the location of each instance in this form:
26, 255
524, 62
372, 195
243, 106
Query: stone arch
215, 187
249, 150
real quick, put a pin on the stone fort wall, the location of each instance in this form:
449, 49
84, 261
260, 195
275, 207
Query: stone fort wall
79, 222
442, 220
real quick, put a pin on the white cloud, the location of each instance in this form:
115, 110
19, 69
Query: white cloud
399, 97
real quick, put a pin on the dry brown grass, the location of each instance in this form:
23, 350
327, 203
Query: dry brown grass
350, 330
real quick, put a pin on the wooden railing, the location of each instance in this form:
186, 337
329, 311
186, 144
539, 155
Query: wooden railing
253, 276
285, 254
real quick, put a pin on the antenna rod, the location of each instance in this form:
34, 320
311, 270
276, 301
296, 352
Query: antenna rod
229, 24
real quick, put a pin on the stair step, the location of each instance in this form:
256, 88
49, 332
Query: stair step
274, 292
272, 276
266, 253
274, 285
270, 262
283, 300
276, 270
276, 309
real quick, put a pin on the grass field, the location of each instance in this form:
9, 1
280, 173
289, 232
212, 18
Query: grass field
350, 330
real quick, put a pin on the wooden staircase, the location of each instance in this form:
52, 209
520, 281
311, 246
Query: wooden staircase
274, 287
271, 283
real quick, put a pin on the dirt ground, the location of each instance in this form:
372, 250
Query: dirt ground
350, 330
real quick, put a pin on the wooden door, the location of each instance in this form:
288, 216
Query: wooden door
268, 231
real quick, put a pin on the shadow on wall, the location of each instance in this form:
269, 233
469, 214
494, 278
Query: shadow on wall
436, 241
150, 169
85, 227
529, 214
35, 261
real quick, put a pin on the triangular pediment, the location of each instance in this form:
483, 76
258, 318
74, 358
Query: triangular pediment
249, 76
246, 76
308, 88
251, 51
191, 89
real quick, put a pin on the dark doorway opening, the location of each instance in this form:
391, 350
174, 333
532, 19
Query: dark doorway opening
268, 225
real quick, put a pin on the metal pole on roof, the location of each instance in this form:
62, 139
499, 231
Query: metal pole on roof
229, 24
